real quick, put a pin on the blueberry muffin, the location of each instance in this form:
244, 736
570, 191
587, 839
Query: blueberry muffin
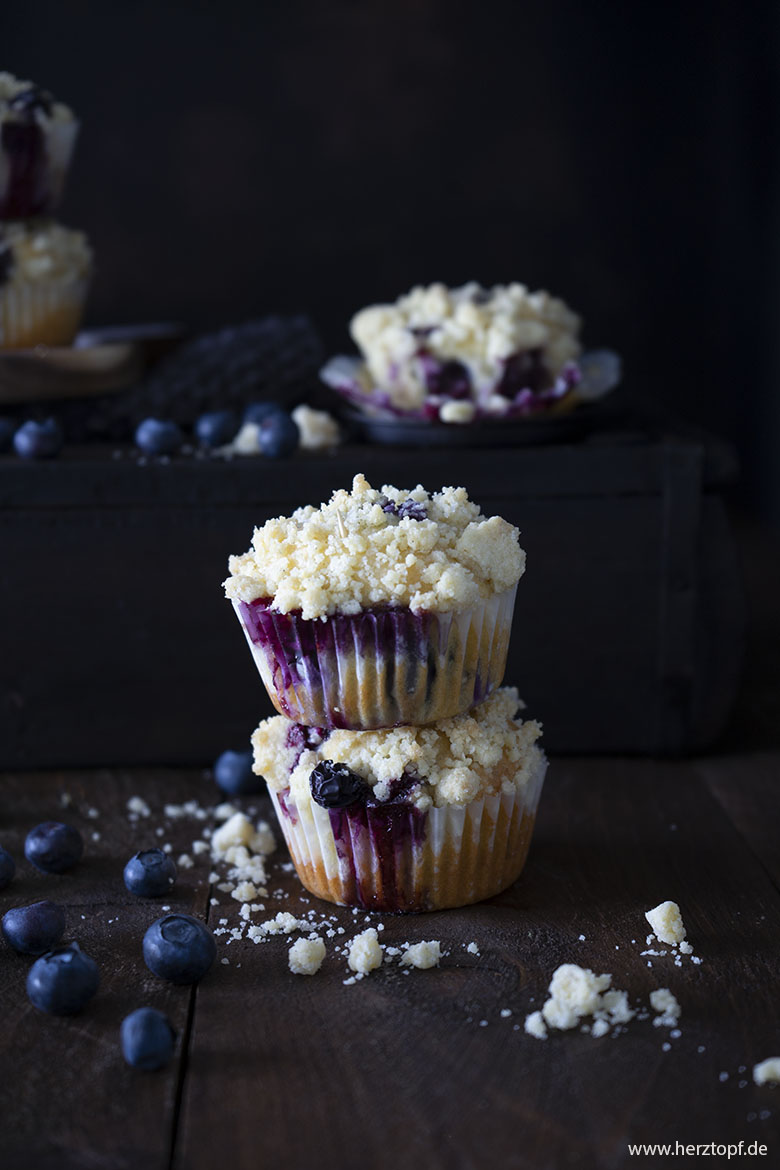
455, 355
44, 278
37, 136
407, 818
379, 608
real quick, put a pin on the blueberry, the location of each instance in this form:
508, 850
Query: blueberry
31, 930
408, 510
36, 440
412, 510
157, 436
63, 981
277, 435
257, 411
7, 428
233, 773
147, 1039
7, 868
336, 786
150, 873
27, 101
53, 847
179, 948
216, 428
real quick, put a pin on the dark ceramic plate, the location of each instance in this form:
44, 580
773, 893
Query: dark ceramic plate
516, 432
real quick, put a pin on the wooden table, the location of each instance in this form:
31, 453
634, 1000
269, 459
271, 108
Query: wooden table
425, 1068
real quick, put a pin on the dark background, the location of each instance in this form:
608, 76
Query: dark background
243, 158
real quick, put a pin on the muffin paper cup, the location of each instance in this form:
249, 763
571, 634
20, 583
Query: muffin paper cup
41, 312
379, 668
34, 162
395, 858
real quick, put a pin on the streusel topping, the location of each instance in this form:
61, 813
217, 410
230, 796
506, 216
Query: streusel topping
454, 761
480, 328
42, 250
45, 110
390, 547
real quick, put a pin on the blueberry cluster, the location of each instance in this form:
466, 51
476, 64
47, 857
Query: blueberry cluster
63, 979
202, 394
273, 360
408, 509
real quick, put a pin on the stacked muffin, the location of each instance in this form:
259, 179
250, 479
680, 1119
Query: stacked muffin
380, 625
44, 267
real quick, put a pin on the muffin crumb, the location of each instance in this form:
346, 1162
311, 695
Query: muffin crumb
422, 955
365, 952
306, 955
666, 921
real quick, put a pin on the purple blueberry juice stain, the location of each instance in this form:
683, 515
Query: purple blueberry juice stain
301, 738
27, 191
524, 371
303, 654
390, 829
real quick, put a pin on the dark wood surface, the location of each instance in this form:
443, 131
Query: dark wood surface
293, 1071
273, 1069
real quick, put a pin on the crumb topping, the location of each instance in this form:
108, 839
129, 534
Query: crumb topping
665, 1004
317, 428
768, 1071
479, 328
365, 952
306, 955
576, 992
48, 110
456, 760
426, 551
422, 955
666, 922
41, 250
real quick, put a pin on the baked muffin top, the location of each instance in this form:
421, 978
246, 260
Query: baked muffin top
487, 751
364, 548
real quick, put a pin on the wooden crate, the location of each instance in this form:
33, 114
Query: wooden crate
119, 648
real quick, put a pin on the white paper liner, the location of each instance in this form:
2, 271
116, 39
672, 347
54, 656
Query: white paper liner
41, 312
349, 687
465, 854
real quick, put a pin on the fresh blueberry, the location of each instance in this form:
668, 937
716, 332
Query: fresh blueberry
7, 428
7, 868
147, 1038
31, 930
53, 847
277, 435
179, 948
63, 981
157, 436
216, 428
233, 773
257, 411
35, 440
150, 873
336, 786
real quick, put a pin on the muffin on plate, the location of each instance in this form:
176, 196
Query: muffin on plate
407, 818
469, 353
37, 136
44, 278
380, 607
